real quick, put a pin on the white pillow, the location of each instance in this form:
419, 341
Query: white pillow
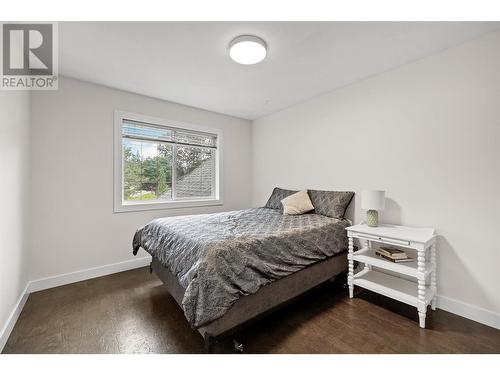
297, 203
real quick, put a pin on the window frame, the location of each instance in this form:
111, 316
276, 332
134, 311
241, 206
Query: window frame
121, 206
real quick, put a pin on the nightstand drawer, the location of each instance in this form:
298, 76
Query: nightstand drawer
383, 239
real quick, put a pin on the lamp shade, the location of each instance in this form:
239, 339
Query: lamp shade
373, 199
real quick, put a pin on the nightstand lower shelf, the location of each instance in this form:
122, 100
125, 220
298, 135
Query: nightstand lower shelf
391, 286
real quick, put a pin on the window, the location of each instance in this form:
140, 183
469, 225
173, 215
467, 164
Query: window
161, 164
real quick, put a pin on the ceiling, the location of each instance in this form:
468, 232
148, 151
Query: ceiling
188, 62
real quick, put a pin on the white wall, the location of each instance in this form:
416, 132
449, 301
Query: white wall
429, 134
73, 224
14, 190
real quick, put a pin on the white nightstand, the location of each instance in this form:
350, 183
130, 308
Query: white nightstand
419, 293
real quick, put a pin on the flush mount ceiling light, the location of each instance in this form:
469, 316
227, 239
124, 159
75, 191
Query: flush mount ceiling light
247, 49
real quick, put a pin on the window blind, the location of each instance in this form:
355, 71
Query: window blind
149, 132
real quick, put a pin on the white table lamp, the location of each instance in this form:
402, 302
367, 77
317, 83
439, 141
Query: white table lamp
372, 201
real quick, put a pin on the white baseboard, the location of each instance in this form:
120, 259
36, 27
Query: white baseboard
468, 311
89, 273
12, 319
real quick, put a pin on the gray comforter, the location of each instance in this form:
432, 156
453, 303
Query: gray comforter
220, 257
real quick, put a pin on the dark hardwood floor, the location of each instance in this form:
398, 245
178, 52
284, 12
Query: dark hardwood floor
131, 312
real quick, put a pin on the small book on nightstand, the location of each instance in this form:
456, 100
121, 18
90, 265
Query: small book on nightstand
393, 254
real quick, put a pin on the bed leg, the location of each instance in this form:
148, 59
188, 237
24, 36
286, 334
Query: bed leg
238, 345
151, 267
209, 343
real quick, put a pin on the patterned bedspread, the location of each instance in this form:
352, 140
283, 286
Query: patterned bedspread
220, 257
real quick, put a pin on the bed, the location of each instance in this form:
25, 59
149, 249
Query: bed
228, 269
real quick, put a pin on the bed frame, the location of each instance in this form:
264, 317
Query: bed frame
267, 299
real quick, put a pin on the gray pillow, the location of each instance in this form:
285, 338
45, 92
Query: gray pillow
277, 195
330, 203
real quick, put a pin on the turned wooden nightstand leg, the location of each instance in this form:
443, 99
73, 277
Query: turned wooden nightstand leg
433, 276
350, 274
421, 319
422, 307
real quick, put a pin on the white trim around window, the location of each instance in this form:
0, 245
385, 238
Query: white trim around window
120, 205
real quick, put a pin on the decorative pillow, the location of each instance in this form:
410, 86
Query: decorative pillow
277, 196
297, 203
330, 203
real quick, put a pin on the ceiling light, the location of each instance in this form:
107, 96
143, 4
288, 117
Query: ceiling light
247, 49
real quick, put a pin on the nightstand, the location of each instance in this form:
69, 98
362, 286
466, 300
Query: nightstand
418, 288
